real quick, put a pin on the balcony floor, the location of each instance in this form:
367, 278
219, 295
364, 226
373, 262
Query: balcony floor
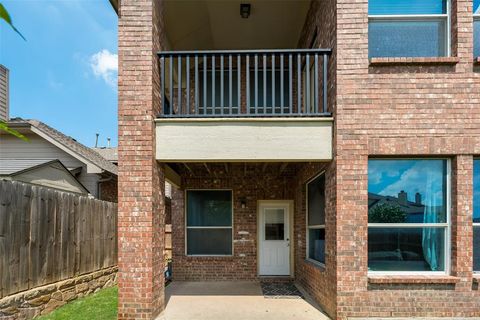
233, 300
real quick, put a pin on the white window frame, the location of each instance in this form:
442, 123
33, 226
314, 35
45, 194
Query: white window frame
476, 18
475, 224
314, 227
420, 17
447, 226
207, 227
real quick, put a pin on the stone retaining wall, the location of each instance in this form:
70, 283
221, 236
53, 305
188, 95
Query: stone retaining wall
42, 300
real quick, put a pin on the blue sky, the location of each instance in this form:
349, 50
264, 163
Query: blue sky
65, 74
389, 177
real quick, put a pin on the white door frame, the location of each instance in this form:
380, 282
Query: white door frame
289, 204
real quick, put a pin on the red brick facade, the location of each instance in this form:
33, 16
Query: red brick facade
382, 108
404, 109
245, 184
141, 181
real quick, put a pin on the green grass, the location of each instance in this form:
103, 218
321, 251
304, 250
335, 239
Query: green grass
101, 305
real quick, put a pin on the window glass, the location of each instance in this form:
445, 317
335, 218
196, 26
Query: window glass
316, 244
209, 222
402, 38
402, 7
406, 249
407, 191
403, 196
209, 241
209, 208
274, 224
476, 215
476, 6
316, 201
316, 219
416, 28
476, 38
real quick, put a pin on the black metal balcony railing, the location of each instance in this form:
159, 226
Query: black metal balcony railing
245, 83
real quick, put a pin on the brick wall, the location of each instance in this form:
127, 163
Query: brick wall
317, 280
141, 178
252, 184
403, 109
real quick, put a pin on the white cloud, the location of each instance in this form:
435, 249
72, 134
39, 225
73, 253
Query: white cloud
423, 177
104, 64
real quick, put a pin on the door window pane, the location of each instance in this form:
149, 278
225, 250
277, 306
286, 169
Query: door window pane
316, 244
274, 224
407, 191
209, 241
403, 38
209, 208
406, 249
402, 7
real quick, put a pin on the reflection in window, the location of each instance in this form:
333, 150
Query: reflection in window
407, 215
316, 219
476, 215
399, 28
209, 222
476, 28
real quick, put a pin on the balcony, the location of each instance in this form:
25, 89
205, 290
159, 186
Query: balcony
246, 105
255, 83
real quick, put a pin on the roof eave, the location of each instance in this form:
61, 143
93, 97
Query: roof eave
114, 4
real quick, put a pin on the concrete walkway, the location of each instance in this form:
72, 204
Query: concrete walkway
231, 301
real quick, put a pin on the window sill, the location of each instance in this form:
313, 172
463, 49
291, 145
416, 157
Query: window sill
316, 264
414, 61
412, 279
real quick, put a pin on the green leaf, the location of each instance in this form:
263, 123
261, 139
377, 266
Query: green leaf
5, 16
4, 127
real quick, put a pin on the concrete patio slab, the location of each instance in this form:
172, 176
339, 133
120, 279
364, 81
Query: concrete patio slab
233, 300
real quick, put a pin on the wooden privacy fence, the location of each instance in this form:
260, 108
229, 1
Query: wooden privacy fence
48, 235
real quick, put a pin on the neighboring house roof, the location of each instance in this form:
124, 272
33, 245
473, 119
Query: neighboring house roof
48, 173
93, 159
111, 154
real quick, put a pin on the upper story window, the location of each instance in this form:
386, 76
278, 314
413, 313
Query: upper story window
416, 28
476, 215
209, 222
476, 28
408, 215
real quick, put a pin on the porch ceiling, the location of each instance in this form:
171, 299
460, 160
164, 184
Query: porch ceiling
226, 169
210, 24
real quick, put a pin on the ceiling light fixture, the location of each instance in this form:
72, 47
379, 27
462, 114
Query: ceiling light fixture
245, 10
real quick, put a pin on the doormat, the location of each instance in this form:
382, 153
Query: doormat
280, 290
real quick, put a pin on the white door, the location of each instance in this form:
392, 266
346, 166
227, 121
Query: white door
274, 239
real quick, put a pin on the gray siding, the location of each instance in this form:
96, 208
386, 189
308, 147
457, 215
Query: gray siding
39, 149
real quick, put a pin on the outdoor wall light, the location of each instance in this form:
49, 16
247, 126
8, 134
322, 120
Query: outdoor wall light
243, 203
245, 10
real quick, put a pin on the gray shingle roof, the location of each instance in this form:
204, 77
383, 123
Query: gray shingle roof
70, 143
111, 154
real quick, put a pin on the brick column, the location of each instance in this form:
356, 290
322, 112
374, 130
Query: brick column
461, 216
141, 184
